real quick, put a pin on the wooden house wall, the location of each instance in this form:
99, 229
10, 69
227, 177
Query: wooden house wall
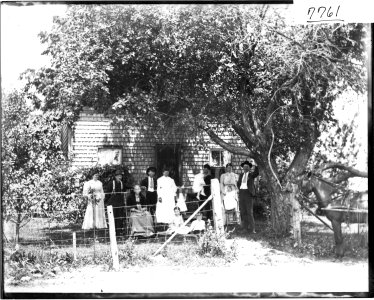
93, 131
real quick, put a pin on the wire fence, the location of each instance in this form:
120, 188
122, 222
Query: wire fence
47, 230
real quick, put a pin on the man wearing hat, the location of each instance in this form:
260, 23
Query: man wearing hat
247, 192
115, 189
150, 185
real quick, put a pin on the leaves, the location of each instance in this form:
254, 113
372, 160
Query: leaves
31, 158
182, 66
193, 69
23, 266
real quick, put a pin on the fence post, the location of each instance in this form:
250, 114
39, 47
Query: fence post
295, 216
112, 236
75, 245
217, 205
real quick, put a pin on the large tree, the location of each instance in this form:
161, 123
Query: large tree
208, 68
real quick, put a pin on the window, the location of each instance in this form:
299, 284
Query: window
216, 158
219, 157
109, 156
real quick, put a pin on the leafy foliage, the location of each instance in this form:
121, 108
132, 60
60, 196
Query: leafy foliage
127, 253
338, 144
31, 159
213, 243
201, 68
317, 242
22, 266
69, 203
36, 177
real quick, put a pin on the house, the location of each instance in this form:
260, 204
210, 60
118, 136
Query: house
95, 140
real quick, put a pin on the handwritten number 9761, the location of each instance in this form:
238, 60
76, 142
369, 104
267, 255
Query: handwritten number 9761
321, 11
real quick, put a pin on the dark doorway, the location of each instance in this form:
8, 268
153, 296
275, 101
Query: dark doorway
169, 156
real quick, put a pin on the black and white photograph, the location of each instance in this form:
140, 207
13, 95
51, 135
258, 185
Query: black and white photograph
185, 150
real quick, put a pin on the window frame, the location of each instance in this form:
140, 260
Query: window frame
110, 149
221, 160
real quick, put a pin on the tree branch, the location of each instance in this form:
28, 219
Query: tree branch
303, 153
341, 177
271, 109
247, 116
242, 134
352, 171
226, 146
288, 38
269, 159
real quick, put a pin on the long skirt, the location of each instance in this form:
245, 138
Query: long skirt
165, 210
230, 200
181, 203
141, 223
89, 221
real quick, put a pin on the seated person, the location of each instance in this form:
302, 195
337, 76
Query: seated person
141, 221
198, 226
177, 223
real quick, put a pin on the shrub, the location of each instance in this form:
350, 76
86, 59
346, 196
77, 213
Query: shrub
214, 243
127, 253
22, 266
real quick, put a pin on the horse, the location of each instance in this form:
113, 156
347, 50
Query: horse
348, 207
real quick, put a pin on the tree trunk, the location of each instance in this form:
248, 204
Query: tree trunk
295, 214
18, 226
281, 201
281, 204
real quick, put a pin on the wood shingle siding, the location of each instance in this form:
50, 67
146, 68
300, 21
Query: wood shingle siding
93, 131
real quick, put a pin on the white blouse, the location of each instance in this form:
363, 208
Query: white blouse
227, 180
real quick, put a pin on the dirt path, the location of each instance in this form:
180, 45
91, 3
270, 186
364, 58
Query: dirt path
259, 269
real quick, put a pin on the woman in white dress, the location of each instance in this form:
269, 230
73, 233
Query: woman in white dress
95, 214
166, 190
229, 190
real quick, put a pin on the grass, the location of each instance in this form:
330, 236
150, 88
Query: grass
34, 261
48, 259
317, 241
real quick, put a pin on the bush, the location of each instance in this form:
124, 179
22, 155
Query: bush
22, 266
127, 253
214, 243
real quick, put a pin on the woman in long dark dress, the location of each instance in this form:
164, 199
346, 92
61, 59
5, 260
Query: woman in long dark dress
141, 220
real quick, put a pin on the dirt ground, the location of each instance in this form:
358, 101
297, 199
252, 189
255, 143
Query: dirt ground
259, 268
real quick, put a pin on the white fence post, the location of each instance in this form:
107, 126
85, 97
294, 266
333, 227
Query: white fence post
75, 245
113, 241
218, 218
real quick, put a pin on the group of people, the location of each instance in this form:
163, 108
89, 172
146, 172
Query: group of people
153, 202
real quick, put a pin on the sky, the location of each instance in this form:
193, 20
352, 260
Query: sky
20, 45
21, 49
